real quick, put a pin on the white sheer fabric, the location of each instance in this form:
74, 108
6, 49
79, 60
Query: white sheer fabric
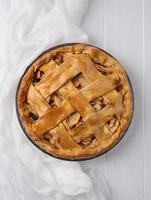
28, 27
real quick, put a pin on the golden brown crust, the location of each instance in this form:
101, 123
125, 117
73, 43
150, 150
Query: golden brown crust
85, 83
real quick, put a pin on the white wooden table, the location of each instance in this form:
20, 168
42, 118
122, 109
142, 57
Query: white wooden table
123, 28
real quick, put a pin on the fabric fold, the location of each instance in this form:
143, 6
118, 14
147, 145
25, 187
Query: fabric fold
27, 173
27, 28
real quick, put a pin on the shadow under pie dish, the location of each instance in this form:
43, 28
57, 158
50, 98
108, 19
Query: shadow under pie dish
74, 101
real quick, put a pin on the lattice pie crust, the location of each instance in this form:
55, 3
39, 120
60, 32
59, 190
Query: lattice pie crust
75, 101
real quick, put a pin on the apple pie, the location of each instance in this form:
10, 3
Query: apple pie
75, 101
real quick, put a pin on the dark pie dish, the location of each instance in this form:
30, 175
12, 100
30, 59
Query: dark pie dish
75, 102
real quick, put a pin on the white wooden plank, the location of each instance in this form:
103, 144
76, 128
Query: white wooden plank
147, 97
124, 40
117, 25
93, 23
